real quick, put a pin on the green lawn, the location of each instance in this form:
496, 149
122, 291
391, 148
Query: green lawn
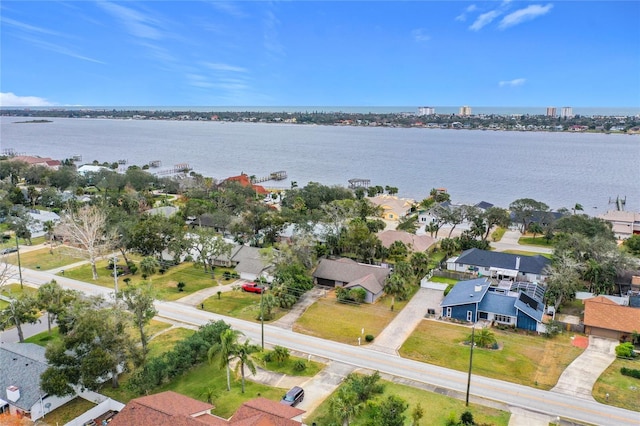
44, 338
437, 408
14, 290
624, 391
165, 284
529, 253
343, 326
539, 240
287, 367
44, 260
443, 280
3, 304
525, 359
239, 304
164, 342
12, 242
498, 234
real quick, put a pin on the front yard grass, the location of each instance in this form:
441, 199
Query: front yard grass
165, 284
43, 339
14, 290
343, 326
164, 342
240, 304
624, 391
525, 359
288, 366
437, 408
44, 260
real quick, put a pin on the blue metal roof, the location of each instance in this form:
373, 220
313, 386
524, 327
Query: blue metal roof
465, 292
498, 304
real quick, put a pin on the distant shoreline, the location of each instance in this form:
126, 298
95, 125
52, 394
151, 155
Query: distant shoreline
33, 121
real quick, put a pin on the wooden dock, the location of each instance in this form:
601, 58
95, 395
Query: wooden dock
359, 183
280, 175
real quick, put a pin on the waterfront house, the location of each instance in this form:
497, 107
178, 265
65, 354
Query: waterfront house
500, 265
476, 300
244, 180
348, 273
624, 223
393, 208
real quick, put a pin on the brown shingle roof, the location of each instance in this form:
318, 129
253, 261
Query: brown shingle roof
265, 412
162, 409
417, 242
603, 313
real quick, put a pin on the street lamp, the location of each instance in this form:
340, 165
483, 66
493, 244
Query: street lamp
115, 277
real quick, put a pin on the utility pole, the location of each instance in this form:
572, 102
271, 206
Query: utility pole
473, 329
19, 264
115, 277
262, 315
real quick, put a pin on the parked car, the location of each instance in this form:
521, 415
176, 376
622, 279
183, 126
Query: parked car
253, 287
293, 397
8, 250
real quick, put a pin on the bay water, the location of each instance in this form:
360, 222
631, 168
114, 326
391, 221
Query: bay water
558, 168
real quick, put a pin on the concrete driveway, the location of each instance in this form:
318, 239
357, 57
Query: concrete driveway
580, 376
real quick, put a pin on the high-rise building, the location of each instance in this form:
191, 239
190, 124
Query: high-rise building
551, 111
426, 111
566, 112
465, 110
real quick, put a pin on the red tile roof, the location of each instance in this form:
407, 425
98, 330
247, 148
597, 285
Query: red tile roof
244, 180
601, 312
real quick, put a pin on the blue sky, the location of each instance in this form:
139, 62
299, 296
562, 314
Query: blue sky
341, 53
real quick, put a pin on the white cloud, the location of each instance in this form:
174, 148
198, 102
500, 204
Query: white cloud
419, 35
10, 99
512, 83
484, 19
229, 8
224, 67
523, 15
28, 28
463, 16
136, 23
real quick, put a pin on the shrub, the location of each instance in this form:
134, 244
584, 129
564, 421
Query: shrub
369, 337
299, 365
553, 328
452, 420
467, 418
625, 350
267, 357
631, 372
448, 289
181, 285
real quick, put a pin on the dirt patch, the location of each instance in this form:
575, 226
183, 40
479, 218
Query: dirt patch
580, 342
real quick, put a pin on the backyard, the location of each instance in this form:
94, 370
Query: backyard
525, 359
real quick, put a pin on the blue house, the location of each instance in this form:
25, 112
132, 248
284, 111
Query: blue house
477, 300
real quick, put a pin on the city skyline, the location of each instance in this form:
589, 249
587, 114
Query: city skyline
508, 53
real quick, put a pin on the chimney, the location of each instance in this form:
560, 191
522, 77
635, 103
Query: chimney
477, 288
13, 393
517, 263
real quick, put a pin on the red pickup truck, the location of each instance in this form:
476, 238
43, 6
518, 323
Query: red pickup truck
252, 288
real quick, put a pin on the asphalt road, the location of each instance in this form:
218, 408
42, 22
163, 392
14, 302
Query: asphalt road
547, 402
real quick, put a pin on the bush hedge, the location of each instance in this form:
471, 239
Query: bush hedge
631, 372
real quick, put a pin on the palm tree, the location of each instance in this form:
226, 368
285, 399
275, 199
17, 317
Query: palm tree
484, 338
578, 206
396, 287
225, 351
280, 354
48, 228
244, 354
344, 406
149, 265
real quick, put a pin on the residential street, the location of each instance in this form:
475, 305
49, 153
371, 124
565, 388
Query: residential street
513, 395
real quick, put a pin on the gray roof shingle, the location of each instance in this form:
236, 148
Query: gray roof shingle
465, 292
21, 365
528, 264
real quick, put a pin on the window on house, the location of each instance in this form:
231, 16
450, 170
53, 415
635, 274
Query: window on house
483, 315
469, 315
502, 318
448, 312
